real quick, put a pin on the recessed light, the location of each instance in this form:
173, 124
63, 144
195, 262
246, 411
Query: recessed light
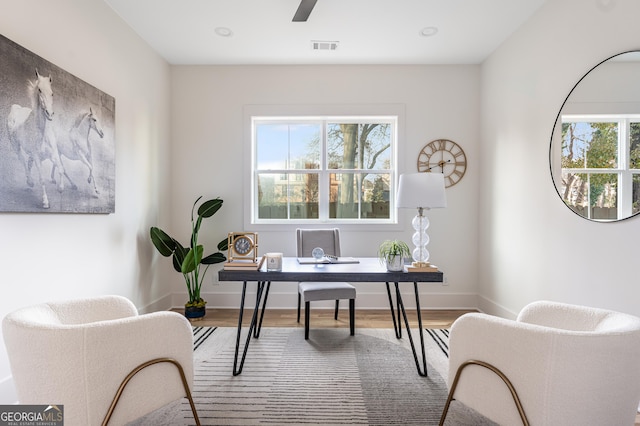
428, 31
223, 31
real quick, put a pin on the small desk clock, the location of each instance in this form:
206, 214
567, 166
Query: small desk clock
243, 246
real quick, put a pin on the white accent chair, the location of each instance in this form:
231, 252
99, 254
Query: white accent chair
81, 354
310, 291
556, 364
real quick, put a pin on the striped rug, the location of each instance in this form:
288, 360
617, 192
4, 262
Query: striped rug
331, 379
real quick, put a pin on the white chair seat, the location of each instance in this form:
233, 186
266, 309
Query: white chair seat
312, 291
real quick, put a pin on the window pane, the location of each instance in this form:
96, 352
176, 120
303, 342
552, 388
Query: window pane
343, 202
359, 146
359, 196
634, 157
287, 146
303, 196
604, 196
284, 196
272, 199
589, 145
574, 192
375, 198
594, 196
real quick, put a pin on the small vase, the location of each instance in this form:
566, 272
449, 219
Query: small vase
194, 313
395, 264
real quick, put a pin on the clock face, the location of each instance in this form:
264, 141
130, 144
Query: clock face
443, 156
242, 245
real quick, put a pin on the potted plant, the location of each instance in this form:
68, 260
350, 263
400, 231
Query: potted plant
393, 252
188, 261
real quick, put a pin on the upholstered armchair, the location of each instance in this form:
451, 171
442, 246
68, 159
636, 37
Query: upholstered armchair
557, 364
99, 358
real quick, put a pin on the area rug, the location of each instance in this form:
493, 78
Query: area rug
331, 379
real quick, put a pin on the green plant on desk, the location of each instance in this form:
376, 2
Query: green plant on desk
393, 252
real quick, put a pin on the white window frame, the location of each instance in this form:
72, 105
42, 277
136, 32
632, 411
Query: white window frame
361, 113
624, 172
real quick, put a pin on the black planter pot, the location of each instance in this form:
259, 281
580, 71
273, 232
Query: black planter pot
194, 313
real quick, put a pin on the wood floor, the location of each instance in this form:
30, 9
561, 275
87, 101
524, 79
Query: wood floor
323, 318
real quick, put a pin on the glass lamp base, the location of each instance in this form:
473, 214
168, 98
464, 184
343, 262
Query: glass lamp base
420, 240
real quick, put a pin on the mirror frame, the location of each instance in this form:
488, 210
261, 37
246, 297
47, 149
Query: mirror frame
555, 129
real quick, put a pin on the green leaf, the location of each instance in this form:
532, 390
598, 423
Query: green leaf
209, 208
223, 245
214, 258
196, 229
177, 264
179, 256
163, 242
192, 259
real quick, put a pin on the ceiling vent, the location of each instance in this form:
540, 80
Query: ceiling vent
324, 45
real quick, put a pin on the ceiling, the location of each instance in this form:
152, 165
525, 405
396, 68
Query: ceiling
367, 31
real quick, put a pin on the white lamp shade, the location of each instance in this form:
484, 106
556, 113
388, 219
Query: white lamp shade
423, 189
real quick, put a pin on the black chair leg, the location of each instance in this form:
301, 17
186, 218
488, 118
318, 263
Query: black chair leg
352, 316
298, 306
335, 314
307, 311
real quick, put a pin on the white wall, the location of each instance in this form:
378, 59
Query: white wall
531, 245
208, 159
525, 245
62, 256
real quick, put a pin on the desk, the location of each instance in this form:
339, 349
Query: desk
367, 270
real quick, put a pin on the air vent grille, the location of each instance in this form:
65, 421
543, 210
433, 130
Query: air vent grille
324, 45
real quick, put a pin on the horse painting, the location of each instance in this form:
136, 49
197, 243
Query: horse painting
77, 147
27, 128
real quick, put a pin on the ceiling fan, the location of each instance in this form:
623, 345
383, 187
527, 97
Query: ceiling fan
304, 10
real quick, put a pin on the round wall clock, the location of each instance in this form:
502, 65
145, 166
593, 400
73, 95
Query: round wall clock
443, 156
243, 245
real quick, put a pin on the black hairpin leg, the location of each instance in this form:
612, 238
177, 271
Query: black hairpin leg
254, 328
397, 326
256, 332
422, 369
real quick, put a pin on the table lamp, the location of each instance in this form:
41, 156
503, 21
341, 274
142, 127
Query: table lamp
423, 191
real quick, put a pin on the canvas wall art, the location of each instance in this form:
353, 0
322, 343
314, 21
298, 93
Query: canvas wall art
57, 147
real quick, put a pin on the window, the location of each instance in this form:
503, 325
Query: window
323, 169
601, 165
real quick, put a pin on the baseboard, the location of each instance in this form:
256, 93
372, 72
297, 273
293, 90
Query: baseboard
8, 391
287, 300
162, 304
490, 307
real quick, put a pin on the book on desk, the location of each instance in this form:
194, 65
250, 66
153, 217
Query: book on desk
244, 265
426, 268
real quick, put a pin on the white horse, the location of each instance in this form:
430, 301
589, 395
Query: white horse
77, 146
27, 128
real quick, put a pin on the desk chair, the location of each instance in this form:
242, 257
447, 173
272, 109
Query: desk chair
310, 291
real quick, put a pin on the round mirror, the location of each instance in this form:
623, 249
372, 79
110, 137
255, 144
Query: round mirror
595, 143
